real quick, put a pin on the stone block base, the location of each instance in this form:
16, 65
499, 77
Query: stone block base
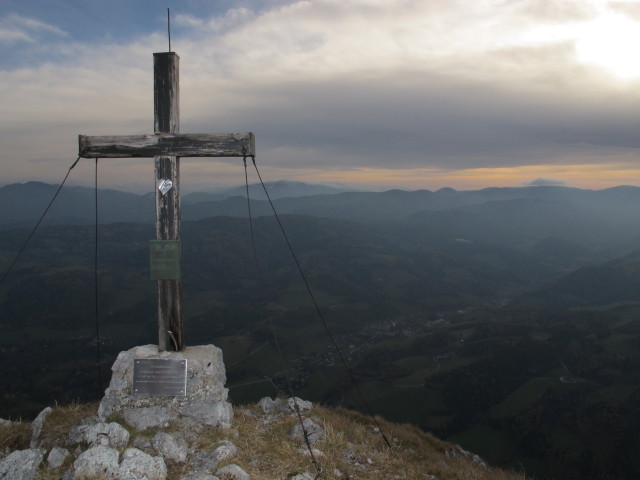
205, 402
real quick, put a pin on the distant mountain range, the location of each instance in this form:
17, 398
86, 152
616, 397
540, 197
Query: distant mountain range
558, 223
456, 245
23, 203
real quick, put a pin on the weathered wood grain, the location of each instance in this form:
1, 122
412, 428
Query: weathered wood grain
166, 92
167, 145
166, 120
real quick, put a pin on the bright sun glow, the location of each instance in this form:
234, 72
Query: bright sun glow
608, 41
611, 42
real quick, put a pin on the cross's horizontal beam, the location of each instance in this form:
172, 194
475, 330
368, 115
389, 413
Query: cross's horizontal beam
167, 144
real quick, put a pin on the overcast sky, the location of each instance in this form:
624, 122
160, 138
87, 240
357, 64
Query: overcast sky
394, 93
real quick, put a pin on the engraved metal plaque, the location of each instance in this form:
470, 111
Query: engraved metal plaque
160, 376
165, 259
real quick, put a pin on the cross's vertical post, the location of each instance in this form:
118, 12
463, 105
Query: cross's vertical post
167, 176
166, 146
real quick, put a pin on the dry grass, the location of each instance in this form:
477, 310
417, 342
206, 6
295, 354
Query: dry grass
352, 449
63, 418
15, 436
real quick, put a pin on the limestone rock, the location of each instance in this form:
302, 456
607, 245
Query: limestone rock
137, 465
57, 456
21, 465
170, 446
233, 471
312, 430
36, 426
148, 417
203, 461
225, 451
270, 406
304, 406
209, 413
115, 433
97, 462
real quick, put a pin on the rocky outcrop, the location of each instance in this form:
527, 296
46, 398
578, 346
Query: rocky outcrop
94, 454
458, 451
108, 449
113, 434
21, 464
99, 461
100, 449
57, 456
137, 465
36, 426
104, 462
267, 440
172, 447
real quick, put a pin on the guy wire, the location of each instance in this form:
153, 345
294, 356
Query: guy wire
95, 286
317, 309
26, 242
273, 330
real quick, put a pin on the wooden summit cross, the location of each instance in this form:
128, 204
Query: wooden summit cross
167, 145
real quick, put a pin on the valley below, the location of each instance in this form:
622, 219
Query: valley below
505, 320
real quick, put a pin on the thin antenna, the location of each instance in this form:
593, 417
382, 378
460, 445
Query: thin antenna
169, 27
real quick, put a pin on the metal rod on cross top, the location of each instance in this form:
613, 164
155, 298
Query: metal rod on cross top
166, 146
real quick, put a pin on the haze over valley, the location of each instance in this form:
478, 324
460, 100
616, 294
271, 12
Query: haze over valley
504, 319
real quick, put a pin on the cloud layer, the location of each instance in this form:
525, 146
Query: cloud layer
393, 92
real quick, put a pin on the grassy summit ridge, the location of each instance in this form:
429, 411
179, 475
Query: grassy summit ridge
353, 447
